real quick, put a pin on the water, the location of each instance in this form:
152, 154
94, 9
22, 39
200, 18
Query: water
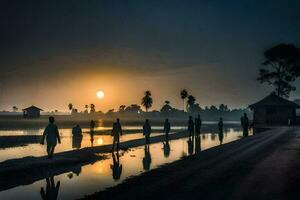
66, 143
106, 173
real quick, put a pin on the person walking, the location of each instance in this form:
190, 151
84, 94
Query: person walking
191, 126
147, 132
52, 136
116, 132
220, 125
245, 125
167, 128
198, 123
92, 127
76, 131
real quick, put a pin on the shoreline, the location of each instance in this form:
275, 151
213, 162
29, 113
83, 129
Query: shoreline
222, 171
32, 169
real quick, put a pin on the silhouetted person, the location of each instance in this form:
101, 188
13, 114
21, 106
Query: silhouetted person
167, 128
52, 136
197, 144
116, 132
92, 132
190, 143
147, 131
245, 125
76, 130
198, 123
166, 148
191, 126
220, 124
76, 141
116, 166
147, 158
51, 192
221, 136
92, 125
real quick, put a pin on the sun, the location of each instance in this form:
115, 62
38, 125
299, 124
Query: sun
100, 94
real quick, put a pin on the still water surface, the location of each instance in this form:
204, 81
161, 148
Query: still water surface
109, 172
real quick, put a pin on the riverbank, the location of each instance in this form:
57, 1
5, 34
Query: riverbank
263, 166
29, 169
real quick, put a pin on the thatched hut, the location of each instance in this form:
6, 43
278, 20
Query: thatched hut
274, 110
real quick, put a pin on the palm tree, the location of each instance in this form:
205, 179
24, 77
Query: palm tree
191, 100
122, 108
183, 94
93, 108
86, 108
147, 100
15, 108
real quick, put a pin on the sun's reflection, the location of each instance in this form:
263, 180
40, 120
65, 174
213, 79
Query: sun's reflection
100, 169
100, 141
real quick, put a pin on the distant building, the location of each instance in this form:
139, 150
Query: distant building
32, 112
274, 110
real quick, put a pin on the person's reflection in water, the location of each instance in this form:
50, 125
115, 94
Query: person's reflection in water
213, 136
190, 126
221, 136
92, 138
116, 166
147, 158
167, 128
166, 148
197, 145
51, 192
198, 123
76, 141
190, 143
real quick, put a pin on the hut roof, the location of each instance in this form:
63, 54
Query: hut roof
274, 100
33, 108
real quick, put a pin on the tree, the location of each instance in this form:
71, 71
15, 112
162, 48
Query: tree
122, 108
147, 100
70, 106
166, 108
195, 108
15, 108
86, 108
191, 100
134, 108
280, 68
93, 108
213, 109
223, 108
183, 94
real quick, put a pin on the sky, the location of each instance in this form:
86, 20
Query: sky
57, 52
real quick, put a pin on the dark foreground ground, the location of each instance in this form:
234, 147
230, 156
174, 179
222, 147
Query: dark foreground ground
263, 166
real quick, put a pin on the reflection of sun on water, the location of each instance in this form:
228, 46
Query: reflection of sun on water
100, 169
100, 141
